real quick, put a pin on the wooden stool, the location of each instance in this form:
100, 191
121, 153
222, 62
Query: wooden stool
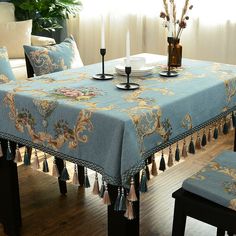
200, 198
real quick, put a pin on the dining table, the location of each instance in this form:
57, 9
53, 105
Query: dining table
112, 131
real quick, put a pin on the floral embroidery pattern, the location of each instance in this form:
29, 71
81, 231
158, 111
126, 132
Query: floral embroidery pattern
44, 64
187, 122
79, 94
45, 108
25, 121
232, 204
230, 87
147, 123
230, 187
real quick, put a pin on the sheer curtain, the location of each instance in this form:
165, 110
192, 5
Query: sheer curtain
210, 33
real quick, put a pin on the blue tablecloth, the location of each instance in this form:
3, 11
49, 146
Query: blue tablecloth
112, 131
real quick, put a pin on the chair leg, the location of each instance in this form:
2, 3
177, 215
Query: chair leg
220, 232
179, 220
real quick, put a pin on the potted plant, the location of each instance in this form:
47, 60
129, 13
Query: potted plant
47, 15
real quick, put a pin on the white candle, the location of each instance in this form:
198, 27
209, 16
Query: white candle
102, 33
127, 49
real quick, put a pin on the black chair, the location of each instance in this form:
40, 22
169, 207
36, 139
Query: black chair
191, 204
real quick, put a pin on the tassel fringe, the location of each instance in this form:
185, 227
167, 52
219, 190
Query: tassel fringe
209, 135
9, 153
129, 214
191, 147
45, 164
102, 189
96, 185
143, 183
215, 133
204, 139
132, 194
154, 166
55, 171
170, 158
18, 157
162, 163
122, 203
184, 149
198, 142
86, 179
36, 161
177, 155
106, 198
117, 202
64, 174
75, 179
26, 157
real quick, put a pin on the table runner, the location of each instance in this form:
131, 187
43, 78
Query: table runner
92, 123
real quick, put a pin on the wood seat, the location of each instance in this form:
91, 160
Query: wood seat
209, 196
189, 204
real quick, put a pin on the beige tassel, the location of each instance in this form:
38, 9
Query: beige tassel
75, 179
106, 198
18, 157
1, 153
170, 158
132, 194
129, 214
96, 185
154, 166
184, 150
220, 128
230, 123
35, 165
198, 142
209, 135
55, 171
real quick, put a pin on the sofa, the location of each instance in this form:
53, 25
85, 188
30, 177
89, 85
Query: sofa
16, 34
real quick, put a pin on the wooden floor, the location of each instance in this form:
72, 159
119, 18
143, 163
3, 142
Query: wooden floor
46, 213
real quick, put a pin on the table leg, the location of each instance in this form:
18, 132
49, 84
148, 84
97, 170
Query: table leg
117, 224
62, 184
81, 175
10, 212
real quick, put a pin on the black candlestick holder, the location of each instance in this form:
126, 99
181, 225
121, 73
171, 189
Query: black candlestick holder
169, 72
128, 85
103, 76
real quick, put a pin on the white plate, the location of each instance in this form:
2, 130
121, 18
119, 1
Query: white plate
146, 70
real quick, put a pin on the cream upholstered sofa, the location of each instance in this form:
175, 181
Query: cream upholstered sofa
16, 34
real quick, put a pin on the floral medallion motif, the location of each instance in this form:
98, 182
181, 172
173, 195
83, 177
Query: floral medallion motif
78, 94
187, 122
230, 187
25, 122
45, 108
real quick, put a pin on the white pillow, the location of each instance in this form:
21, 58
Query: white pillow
7, 11
14, 35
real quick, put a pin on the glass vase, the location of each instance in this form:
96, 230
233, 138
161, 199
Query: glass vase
175, 53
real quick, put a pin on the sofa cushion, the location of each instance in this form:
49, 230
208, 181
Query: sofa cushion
14, 35
18, 68
54, 58
216, 181
5, 69
7, 12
